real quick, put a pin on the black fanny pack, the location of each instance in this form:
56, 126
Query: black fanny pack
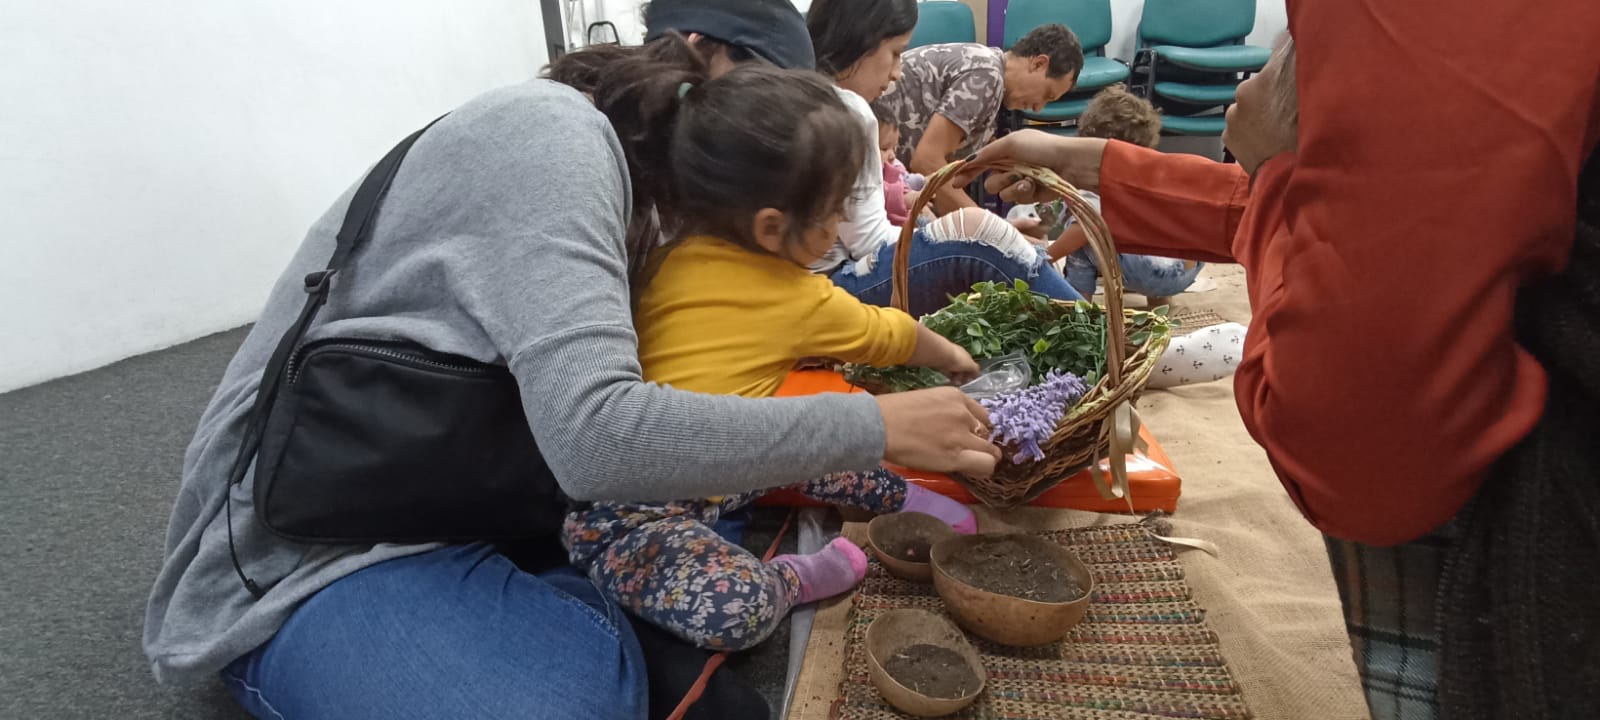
368, 441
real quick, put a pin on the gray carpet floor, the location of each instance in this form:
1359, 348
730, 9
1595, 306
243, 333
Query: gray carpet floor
89, 466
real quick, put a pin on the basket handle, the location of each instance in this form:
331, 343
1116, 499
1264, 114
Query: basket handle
1094, 226
1118, 424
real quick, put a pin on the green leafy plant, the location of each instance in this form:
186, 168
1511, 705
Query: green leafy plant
995, 319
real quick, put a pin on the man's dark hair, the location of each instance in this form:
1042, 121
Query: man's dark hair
1056, 42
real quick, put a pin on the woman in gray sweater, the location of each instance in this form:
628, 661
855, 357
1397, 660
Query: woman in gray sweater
508, 237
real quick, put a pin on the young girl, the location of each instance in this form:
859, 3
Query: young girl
728, 308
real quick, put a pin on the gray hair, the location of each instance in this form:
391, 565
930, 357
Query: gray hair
1284, 104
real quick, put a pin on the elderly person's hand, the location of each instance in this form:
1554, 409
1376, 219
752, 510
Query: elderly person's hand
1264, 118
1261, 123
1077, 160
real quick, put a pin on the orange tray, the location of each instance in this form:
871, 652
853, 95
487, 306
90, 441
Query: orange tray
1152, 482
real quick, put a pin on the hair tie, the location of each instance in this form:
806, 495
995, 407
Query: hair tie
684, 89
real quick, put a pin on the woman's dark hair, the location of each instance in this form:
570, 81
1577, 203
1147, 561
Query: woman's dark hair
844, 31
761, 137
636, 87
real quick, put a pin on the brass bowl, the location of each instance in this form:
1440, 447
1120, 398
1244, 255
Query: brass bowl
1007, 619
887, 530
896, 630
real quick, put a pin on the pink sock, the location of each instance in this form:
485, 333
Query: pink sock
922, 500
829, 571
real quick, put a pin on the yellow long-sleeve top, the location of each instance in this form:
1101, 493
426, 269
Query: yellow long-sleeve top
717, 318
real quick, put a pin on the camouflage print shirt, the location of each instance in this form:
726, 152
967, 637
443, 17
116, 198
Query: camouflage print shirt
965, 82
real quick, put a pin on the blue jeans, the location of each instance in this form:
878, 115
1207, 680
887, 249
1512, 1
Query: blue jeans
456, 632
1146, 275
939, 270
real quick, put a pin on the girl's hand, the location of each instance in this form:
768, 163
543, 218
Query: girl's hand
959, 365
938, 430
934, 351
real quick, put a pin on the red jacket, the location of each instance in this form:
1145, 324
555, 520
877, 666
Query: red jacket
1440, 145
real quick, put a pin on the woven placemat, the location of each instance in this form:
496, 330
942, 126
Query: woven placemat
1192, 319
1143, 650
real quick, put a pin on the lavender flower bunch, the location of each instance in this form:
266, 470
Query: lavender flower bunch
1024, 418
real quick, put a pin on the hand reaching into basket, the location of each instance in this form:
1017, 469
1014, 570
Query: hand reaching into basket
935, 351
937, 429
1076, 160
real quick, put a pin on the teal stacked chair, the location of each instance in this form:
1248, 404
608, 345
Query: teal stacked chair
943, 21
1191, 57
1090, 20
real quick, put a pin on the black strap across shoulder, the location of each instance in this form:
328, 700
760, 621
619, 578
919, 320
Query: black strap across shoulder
360, 440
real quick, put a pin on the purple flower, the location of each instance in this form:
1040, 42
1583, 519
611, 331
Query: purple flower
1025, 418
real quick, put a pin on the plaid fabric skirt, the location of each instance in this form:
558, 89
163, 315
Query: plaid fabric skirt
1389, 595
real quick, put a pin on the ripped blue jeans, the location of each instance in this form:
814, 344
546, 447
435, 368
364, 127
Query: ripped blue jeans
939, 270
1145, 275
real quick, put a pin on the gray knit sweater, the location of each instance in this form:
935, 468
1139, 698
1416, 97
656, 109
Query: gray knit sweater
502, 240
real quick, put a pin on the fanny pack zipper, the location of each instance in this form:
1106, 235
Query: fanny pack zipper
381, 349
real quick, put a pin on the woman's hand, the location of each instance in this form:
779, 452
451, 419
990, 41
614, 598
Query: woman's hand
1077, 160
939, 430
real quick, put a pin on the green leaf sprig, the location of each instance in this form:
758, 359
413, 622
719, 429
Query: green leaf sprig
996, 319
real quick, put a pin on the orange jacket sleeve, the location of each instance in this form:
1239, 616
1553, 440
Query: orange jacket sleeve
1172, 205
1381, 373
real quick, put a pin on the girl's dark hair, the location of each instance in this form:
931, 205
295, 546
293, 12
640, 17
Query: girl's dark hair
844, 31
636, 87
761, 137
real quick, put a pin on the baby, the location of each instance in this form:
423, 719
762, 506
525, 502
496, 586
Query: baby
900, 188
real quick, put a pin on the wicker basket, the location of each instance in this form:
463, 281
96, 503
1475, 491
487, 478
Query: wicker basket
1103, 423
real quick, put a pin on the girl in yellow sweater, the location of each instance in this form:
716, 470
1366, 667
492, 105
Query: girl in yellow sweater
763, 161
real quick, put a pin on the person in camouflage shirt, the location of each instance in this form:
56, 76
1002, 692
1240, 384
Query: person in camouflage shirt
949, 96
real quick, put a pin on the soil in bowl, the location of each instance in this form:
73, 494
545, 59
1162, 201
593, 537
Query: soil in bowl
934, 671
1006, 567
912, 549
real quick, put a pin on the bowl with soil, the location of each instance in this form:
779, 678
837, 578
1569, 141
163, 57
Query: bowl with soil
902, 541
922, 664
1011, 589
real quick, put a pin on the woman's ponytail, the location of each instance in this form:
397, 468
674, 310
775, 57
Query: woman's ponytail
638, 90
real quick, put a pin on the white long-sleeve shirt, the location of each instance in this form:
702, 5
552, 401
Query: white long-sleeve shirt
866, 228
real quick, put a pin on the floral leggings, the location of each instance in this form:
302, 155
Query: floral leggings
664, 563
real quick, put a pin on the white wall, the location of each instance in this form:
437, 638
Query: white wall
160, 160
